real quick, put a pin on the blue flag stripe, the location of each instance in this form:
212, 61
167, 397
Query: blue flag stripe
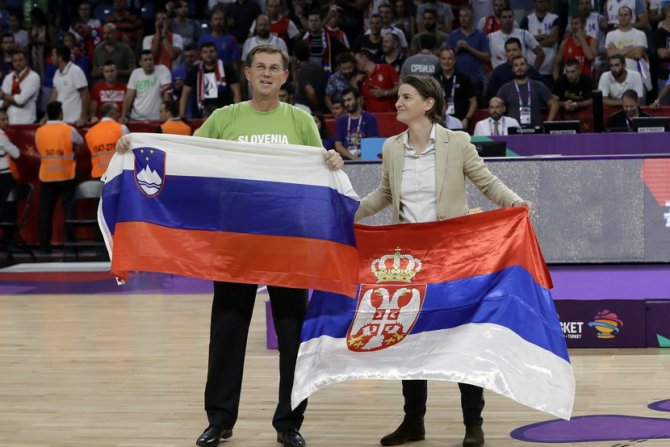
247, 206
509, 298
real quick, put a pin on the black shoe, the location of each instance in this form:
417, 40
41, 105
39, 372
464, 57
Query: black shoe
474, 436
408, 431
291, 438
213, 435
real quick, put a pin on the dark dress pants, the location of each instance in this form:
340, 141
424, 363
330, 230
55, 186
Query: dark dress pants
415, 393
49, 194
232, 307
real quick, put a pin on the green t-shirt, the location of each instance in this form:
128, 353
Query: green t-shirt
282, 125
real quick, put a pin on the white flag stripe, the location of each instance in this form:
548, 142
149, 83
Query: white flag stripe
482, 354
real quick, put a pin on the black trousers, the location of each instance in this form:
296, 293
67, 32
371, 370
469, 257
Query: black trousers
415, 393
49, 194
232, 307
7, 210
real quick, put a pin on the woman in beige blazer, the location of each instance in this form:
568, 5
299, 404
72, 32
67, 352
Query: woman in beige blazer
423, 179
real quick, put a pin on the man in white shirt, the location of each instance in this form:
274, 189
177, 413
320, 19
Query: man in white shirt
19, 91
496, 123
545, 27
528, 43
616, 81
148, 87
70, 88
262, 36
639, 17
165, 45
627, 41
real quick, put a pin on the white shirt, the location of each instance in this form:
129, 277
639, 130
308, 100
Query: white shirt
253, 42
497, 44
544, 26
68, 82
626, 40
614, 89
148, 92
25, 109
177, 41
7, 147
485, 127
418, 196
76, 138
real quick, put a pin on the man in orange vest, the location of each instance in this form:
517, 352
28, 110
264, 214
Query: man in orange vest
56, 143
172, 122
101, 139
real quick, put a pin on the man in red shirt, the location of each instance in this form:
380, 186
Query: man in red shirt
109, 90
378, 83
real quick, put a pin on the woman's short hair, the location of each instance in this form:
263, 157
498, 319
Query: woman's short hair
428, 87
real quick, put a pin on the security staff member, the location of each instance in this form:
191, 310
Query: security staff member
56, 143
101, 139
172, 122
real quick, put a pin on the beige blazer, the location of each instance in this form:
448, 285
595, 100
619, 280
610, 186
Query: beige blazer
455, 159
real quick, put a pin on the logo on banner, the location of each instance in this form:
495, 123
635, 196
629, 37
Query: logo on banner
387, 311
149, 170
607, 324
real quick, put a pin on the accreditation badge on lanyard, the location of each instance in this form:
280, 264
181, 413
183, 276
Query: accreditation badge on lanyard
451, 109
524, 111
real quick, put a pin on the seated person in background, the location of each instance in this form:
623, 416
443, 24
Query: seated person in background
171, 121
496, 123
579, 46
573, 89
326, 140
378, 83
630, 108
108, 90
337, 109
503, 73
615, 82
351, 128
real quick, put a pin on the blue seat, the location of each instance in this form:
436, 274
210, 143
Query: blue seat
371, 148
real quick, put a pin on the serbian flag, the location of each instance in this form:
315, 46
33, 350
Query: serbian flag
463, 300
230, 211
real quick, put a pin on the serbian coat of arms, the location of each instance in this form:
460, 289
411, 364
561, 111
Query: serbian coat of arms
387, 311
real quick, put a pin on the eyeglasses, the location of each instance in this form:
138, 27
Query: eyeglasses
273, 69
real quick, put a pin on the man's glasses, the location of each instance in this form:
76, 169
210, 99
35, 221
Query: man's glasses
273, 69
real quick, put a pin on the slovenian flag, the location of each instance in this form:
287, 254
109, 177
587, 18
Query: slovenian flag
230, 211
463, 300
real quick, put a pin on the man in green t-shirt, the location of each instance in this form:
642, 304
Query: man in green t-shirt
263, 119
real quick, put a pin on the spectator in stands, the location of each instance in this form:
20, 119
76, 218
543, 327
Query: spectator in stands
111, 89
327, 141
429, 28
472, 49
128, 25
242, 14
8, 151
214, 82
323, 48
481, 9
391, 53
371, 41
424, 62
526, 40
630, 43
351, 128
591, 20
445, 15
280, 25
310, 79
165, 45
337, 109
578, 45
226, 44
638, 14
332, 25
615, 82
526, 97
662, 47
497, 123
15, 27
378, 83
386, 13
171, 121
113, 50
573, 89
77, 56
148, 86
56, 143
662, 95
459, 95
89, 38
286, 93
84, 15
340, 80
545, 28
503, 73
101, 138
40, 39
630, 108
492, 23
298, 15
181, 24
8, 45
262, 36
20, 90
70, 88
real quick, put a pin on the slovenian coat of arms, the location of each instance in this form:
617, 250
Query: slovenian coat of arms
387, 311
149, 170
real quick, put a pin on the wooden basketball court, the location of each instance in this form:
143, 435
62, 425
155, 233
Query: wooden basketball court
129, 370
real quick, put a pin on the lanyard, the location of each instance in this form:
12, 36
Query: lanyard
358, 128
518, 93
453, 87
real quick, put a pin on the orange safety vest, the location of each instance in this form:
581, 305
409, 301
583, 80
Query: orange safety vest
101, 141
54, 143
176, 127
